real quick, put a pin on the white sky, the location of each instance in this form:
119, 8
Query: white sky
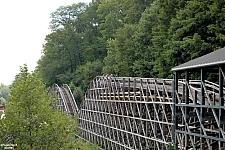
23, 27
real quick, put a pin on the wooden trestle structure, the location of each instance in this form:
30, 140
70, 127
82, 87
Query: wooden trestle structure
140, 113
128, 113
65, 100
199, 121
120, 113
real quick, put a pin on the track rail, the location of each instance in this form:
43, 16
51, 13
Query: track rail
138, 113
66, 101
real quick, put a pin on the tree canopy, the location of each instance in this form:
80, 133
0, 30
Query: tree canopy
129, 37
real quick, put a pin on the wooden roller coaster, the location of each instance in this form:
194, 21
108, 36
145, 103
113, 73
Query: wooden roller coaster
153, 114
138, 113
66, 101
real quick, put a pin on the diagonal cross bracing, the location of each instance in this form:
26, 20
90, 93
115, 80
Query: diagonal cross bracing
141, 113
135, 113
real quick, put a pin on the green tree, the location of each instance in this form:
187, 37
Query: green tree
4, 91
132, 10
110, 59
66, 14
62, 51
86, 73
81, 145
197, 30
3, 101
110, 16
31, 119
78, 95
144, 62
92, 45
167, 10
125, 49
75, 40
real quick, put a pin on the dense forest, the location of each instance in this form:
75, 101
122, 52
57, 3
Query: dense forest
143, 38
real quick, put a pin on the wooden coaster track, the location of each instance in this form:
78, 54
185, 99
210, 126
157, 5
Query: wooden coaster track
66, 101
139, 113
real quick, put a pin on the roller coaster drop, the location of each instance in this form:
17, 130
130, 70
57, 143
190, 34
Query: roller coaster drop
147, 113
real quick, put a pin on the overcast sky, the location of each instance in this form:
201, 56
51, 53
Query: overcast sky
23, 27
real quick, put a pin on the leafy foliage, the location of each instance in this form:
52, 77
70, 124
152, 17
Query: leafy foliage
128, 37
31, 119
78, 95
87, 73
3, 101
124, 47
193, 31
4, 91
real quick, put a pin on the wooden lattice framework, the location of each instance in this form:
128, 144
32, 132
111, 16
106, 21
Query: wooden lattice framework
199, 121
146, 113
128, 113
143, 113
